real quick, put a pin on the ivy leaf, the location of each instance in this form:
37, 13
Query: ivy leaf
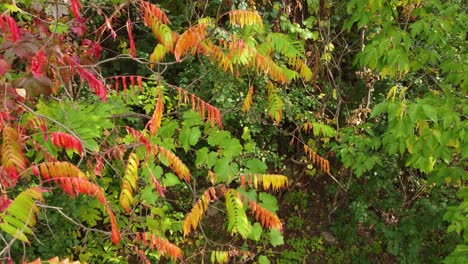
276, 238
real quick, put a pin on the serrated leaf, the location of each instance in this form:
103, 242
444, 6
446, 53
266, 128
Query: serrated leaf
232, 148
201, 156
184, 138
218, 138
268, 201
170, 179
255, 232
263, 260
256, 166
195, 135
276, 238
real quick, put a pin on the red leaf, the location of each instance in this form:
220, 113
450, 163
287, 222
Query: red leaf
116, 83
92, 48
109, 26
124, 82
94, 83
130, 38
4, 202
132, 83
66, 141
38, 63
12, 26
140, 86
115, 233
155, 121
75, 7
4, 66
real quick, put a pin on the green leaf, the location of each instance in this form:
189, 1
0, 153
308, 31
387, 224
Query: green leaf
195, 135
263, 260
149, 195
232, 148
256, 232
184, 138
276, 238
170, 179
167, 129
237, 219
256, 166
201, 156
58, 28
192, 118
379, 109
430, 112
218, 138
268, 201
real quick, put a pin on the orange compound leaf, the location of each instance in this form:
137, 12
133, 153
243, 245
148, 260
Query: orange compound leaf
159, 188
245, 18
175, 163
153, 13
158, 54
217, 56
271, 181
19, 217
248, 100
130, 38
140, 138
317, 160
194, 217
139, 82
66, 141
155, 121
115, 233
13, 160
164, 35
116, 80
163, 246
94, 83
74, 182
265, 217
132, 83
129, 183
206, 110
189, 41
51, 170
124, 84
54, 260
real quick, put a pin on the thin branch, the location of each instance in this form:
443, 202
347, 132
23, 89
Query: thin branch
58, 209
